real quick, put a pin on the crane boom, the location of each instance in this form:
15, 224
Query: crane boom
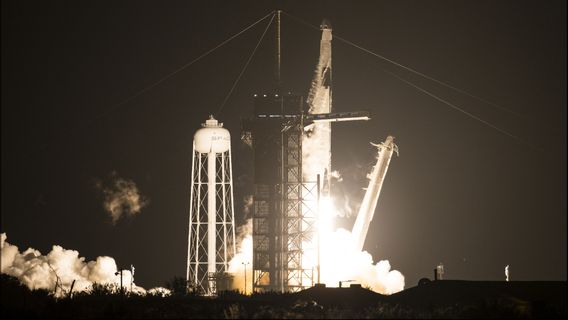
369, 203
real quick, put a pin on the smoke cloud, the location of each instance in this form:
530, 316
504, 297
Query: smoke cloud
347, 207
121, 197
336, 176
342, 261
247, 205
57, 270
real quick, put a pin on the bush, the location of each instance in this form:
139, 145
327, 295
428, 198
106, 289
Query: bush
108, 289
178, 286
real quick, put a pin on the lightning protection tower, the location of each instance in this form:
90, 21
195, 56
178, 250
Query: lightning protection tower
211, 242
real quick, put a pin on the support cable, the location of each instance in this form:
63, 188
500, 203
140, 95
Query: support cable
426, 91
460, 109
433, 79
415, 71
161, 80
182, 67
245, 67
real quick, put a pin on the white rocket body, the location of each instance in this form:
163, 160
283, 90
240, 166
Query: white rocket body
316, 157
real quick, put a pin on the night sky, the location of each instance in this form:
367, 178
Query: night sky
461, 192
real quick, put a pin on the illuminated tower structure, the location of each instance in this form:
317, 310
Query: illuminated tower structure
284, 210
284, 207
285, 188
211, 241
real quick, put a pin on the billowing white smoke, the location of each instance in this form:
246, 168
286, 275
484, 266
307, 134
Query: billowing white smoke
57, 270
347, 208
243, 259
121, 197
340, 258
159, 292
340, 261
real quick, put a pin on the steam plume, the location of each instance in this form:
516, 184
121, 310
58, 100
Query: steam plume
121, 197
57, 270
243, 258
342, 261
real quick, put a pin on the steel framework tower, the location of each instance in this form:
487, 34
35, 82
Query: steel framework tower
284, 215
211, 241
299, 208
285, 188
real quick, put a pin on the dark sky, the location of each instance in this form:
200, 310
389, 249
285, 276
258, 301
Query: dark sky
460, 193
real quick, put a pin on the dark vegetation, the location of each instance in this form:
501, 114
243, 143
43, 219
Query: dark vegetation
437, 299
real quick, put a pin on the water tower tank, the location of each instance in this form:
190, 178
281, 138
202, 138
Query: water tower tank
212, 137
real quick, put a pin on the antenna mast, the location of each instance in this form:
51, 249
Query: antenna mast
277, 75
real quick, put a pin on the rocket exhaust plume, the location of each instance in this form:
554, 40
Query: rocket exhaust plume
341, 255
242, 261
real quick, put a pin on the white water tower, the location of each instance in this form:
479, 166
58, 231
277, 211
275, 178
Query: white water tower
211, 242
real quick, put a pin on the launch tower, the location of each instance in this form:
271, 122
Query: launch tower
285, 206
284, 214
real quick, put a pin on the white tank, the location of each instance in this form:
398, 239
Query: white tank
211, 152
212, 137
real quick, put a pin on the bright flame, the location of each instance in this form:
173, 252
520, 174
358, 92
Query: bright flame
340, 262
242, 261
327, 214
339, 259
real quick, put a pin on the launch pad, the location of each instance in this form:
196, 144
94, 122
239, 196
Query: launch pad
291, 141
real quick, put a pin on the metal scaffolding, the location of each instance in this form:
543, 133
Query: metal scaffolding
299, 212
284, 214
